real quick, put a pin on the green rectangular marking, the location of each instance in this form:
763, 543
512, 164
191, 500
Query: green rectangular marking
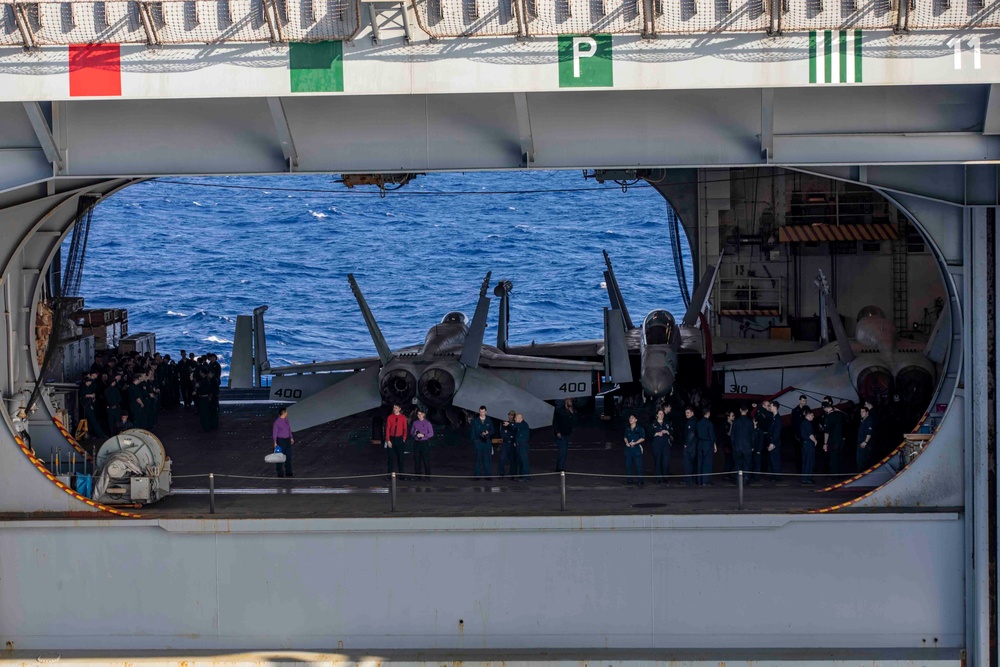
843, 56
827, 55
857, 56
585, 61
316, 68
812, 56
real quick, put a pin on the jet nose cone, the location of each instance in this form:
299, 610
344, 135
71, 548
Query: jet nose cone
658, 382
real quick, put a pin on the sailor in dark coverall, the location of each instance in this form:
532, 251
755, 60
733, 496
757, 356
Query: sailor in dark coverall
113, 397
808, 437
88, 399
866, 438
663, 438
690, 453
833, 435
635, 435
522, 434
762, 426
774, 440
799, 416
742, 435
563, 424
508, 449
705, 432
481, 433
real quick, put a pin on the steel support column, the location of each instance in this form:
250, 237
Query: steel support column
976, 379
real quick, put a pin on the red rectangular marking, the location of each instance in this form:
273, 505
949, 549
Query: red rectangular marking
95, 70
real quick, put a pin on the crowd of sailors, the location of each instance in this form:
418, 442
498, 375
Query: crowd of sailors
750, 439
128, 390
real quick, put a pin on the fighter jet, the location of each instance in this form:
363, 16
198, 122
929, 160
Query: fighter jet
874, 366
652, 348
451, 368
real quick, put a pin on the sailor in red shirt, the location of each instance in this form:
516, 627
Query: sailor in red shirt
395, 438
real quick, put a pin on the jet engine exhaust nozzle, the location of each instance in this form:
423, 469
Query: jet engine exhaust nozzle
398, 386
875, 384
436, 387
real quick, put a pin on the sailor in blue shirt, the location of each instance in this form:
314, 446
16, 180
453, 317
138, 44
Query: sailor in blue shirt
690, 453
705, 432
635, 435
808, 437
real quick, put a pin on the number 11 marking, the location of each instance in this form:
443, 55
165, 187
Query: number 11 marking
977, 57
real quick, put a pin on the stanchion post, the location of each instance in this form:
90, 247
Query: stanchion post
392, 493
562, 490
211, 493
739, 483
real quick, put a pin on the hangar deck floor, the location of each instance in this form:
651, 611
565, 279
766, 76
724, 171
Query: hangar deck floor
340, 473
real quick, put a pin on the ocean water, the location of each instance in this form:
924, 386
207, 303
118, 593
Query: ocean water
186, 257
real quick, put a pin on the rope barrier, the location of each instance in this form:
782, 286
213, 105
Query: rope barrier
411, 477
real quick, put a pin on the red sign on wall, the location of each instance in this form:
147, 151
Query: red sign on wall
95, 70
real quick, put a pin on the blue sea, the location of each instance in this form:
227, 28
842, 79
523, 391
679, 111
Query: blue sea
185, 256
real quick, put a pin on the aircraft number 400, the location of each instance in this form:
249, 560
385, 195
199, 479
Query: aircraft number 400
573, 387
288, 393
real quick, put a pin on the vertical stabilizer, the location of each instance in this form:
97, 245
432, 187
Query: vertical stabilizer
241, 368
503, 290
615, 293
384, 354
474, 339
617, 364
699, 300
261, 363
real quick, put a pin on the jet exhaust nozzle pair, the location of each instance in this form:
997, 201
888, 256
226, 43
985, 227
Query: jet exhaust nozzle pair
435, 387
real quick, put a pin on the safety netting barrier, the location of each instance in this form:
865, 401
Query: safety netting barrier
707, 16
50, 22
468, 18
176, 21
803, 15
580, 17
935, 14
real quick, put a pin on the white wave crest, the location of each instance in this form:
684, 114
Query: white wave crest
215, 339
171, 313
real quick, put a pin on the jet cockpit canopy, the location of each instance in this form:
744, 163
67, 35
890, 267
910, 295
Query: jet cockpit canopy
658, 327
455, 317
870, 311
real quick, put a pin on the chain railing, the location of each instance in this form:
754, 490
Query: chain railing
50, 22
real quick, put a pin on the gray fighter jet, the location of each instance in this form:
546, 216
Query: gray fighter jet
873, 366
652, 348
451, 368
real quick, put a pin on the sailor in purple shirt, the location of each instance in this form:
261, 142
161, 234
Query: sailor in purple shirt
281, 433
421, 431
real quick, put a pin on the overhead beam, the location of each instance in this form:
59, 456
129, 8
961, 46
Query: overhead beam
284, 132
44, 134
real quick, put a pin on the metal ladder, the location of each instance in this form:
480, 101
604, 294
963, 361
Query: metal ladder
900, 312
